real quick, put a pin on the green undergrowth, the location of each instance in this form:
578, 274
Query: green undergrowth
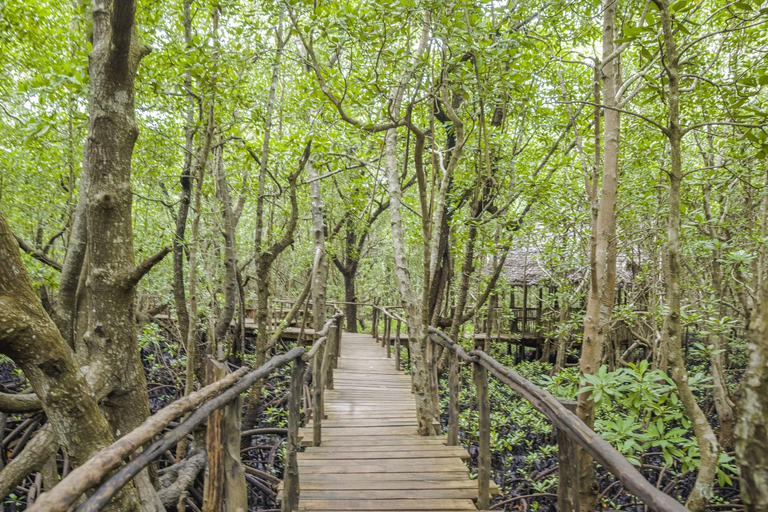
637, 410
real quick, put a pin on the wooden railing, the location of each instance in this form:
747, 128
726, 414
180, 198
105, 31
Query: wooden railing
323, 354
388, 317
572, 432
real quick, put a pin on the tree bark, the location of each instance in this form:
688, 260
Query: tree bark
30, 338
185, 180
112, 274
320, 267
672, 329
751, 431
597, 320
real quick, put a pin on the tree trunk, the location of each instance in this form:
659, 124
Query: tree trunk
417, 329
224, 322
597, 320
672, 329
751, 431
320, 267
110, 340
31, 339
185, 180
350, 297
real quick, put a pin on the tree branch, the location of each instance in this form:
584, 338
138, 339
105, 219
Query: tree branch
132, 277
628, 112
38, 255
19, 402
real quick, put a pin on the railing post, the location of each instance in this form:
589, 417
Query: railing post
291, 472
453, 398
328, 356
337, 345
388, 337
317, 397
568, 468
397, 348
375, 324
213, 492
480, 376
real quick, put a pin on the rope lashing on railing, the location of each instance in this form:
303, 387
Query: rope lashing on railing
575, 429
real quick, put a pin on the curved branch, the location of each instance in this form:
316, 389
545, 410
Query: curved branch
38, 255
132, 277
20, 402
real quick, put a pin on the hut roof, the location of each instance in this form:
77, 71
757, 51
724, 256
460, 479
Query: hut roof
522, 267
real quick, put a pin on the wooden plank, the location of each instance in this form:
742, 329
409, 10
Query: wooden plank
419, 494
435, 465
383, 441
391, 504
378, 448
405, 479
416, 453
370, 431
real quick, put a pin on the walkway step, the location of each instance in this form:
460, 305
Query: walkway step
371, 457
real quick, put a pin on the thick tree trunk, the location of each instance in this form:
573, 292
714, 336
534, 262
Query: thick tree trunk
32, 340
597, 320
112, 275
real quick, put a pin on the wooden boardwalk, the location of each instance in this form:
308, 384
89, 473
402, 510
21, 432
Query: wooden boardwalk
371, 458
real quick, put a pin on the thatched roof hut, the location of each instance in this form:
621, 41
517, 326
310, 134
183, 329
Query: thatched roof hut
522, 267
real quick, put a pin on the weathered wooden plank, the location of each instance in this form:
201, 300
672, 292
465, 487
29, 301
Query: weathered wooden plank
419, 494
415, 453
391, 504
384, 441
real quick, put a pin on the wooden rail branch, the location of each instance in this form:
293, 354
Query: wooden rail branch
108, 490
216, 395
323, 333
89, 474
443, 340
569, 425
601, 450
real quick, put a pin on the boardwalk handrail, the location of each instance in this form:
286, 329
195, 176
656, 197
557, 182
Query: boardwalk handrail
566, 421
386, 340
204, 402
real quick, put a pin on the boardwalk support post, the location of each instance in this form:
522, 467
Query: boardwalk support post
388, 337
317, 397
291, 474
397, 347
213, 492
337, 346
329, 356
568, 468
375, 323
480, 376
453, 399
